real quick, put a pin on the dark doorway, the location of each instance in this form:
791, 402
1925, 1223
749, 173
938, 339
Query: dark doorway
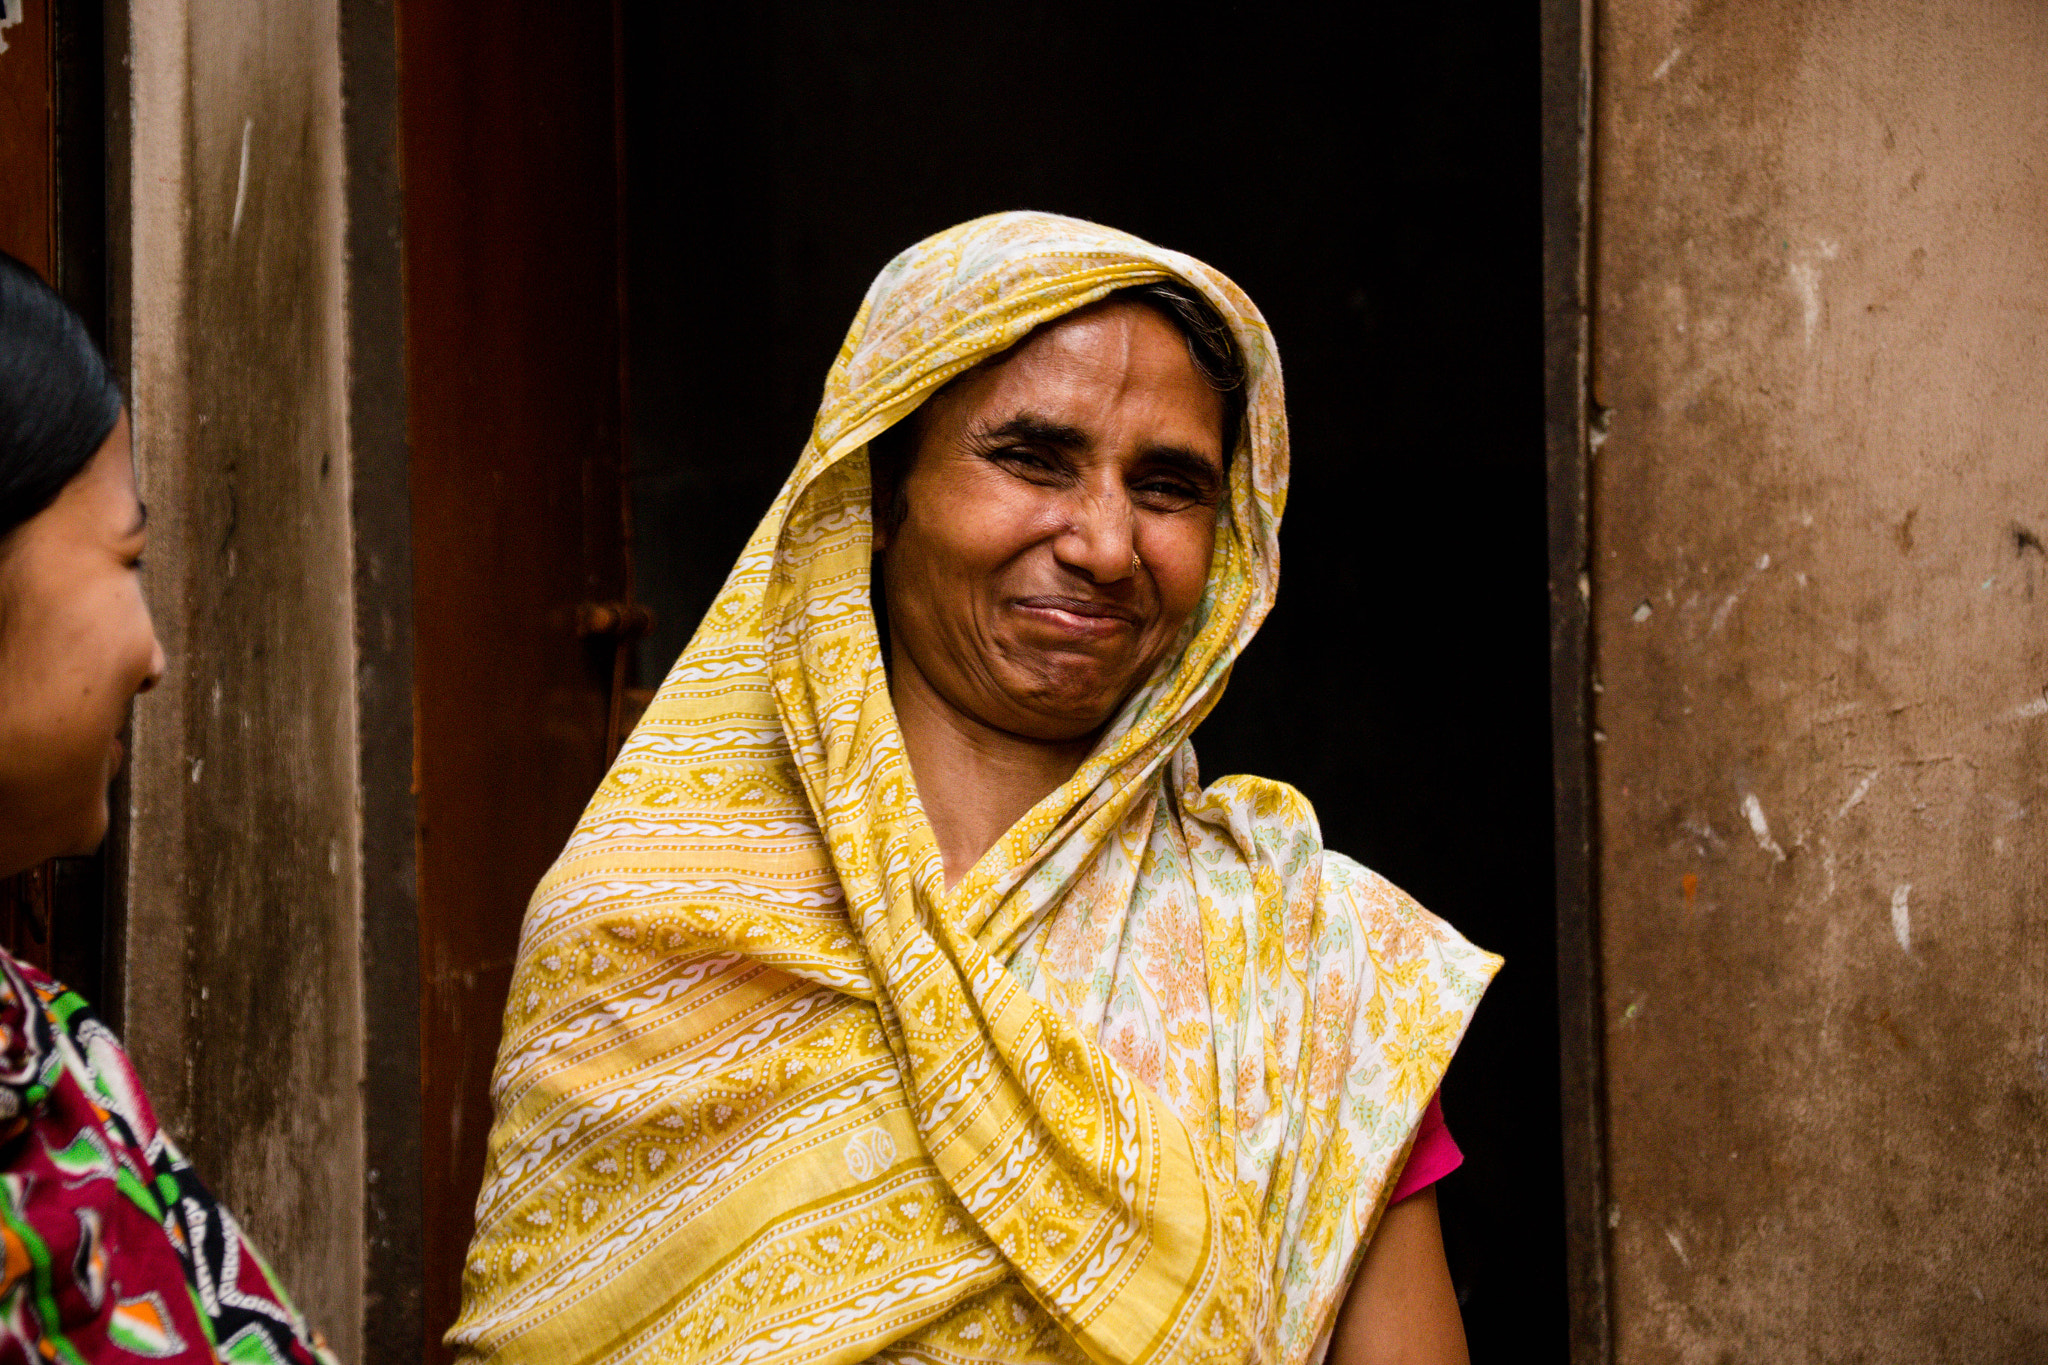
1379, 200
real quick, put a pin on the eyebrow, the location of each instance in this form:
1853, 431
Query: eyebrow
1190, 463
1028, 426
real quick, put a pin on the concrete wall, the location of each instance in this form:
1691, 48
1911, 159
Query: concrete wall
1820, 607
243, 973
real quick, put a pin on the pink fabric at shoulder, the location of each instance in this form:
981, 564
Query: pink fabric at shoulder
1434, 1155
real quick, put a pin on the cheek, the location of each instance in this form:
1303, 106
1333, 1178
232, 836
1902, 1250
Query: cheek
56, 722
1178, 555
107, 647
968, 535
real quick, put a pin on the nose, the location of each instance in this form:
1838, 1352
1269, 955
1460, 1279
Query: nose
1101, 536
157, 664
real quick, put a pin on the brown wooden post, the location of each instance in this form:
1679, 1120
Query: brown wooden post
1567, 79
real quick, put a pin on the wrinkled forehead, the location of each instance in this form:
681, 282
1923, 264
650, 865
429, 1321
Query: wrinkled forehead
1039, 377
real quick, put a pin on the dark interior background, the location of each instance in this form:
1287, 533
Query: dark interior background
1375, 190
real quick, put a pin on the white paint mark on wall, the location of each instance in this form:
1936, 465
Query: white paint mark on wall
1753, 809
1806, 284
1856, 797
1902, 916
1703, 833
1721, 612
242, 182
1641, 613
2037, 707
1763, 561
1678, 1247
198, 766
1664, 67
10, 15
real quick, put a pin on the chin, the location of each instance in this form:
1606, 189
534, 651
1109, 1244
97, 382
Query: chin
1054, 722
90, 833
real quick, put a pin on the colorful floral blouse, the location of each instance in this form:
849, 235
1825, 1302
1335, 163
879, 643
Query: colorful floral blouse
113, 1249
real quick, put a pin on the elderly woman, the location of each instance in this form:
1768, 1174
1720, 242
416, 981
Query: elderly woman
903, 993
111, 1248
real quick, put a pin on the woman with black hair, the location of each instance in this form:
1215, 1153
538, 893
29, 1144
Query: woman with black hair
111, 1249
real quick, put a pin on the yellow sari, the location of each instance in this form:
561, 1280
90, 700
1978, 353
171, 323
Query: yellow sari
1135, 1089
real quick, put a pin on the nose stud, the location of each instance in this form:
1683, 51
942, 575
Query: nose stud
1137, 565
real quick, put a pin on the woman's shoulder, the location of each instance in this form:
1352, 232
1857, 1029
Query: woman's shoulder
27, 1044
1345, 876
1399, 927
50, 1031
1261, 798
1275, 824
1267, 819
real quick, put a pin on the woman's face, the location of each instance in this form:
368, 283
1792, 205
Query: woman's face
76, 645
1057, 522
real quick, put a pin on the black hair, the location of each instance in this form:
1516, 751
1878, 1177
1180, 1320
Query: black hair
58, 401
1211, 346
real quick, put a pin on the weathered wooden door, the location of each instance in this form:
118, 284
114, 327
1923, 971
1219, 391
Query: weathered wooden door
28, 133
515, 378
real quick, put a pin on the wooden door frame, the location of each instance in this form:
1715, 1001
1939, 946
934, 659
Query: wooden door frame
394, 1325
1567, 168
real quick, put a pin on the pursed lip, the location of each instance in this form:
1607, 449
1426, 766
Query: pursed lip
1078, 615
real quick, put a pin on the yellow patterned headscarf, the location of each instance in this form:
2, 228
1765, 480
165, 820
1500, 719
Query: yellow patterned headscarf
1136, 1088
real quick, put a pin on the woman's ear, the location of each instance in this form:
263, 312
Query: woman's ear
890, 456
880, 495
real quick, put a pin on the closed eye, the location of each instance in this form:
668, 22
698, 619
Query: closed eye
1040, 466
1179, 478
